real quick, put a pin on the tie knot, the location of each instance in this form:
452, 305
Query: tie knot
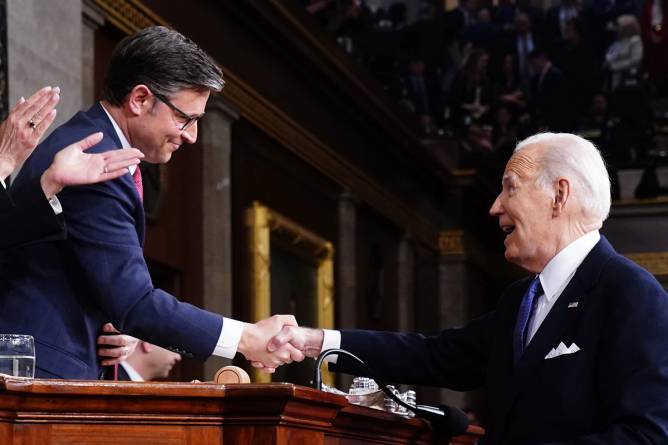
535, 288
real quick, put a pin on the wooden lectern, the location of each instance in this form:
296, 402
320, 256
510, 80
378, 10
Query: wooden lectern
40, 412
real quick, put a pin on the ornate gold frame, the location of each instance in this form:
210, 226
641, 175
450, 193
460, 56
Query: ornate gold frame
262, 222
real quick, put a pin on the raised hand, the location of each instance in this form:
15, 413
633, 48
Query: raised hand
73, 166
119, 346
24, 127
255, 338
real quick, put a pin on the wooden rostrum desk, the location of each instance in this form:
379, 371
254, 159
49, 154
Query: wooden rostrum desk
67, 412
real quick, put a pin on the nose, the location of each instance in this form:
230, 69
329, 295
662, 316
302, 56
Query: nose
497, 208
189, 135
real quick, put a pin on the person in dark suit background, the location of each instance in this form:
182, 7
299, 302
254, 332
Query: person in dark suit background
33, 212
548, 99
576, 353
62, 291
524, 39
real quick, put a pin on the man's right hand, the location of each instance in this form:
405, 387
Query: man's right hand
307, 340
255, 339
73, 166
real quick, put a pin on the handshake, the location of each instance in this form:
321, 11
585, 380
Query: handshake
278, 340
267, 344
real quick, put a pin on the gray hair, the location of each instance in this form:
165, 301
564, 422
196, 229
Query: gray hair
163, 60
570, 156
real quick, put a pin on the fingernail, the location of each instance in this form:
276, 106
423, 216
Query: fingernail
21, 100
56, 90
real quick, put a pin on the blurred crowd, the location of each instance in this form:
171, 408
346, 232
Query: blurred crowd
492, 74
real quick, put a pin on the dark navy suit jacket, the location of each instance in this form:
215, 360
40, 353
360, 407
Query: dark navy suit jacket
26, 216
614, 391
62, 292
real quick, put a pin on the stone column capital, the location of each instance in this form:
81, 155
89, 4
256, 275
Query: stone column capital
219, 105
93, 16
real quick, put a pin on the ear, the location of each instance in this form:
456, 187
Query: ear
139, 100
562, 193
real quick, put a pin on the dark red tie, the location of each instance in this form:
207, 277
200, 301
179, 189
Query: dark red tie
139, 185
136, 177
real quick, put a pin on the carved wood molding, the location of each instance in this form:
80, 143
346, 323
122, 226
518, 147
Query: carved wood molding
655, 262
451, 242
131, 16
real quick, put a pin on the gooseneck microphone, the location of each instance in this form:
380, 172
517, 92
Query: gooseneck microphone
446, 419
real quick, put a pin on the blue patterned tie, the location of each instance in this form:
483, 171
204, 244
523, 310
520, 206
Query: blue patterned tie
523, 315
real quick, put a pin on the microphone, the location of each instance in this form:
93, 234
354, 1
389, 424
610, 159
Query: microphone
446, 419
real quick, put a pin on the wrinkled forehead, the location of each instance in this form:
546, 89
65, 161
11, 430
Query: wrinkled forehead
523, 164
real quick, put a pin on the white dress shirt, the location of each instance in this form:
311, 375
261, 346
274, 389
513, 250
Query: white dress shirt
132, 372
554, 279
53, 201
230, 334
557, 274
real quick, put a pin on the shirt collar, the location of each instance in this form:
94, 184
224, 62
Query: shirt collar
121, 137
565, 263
132, 372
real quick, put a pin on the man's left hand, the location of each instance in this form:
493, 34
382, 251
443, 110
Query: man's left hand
119, 346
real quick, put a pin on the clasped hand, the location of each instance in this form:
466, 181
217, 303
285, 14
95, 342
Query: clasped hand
299, 342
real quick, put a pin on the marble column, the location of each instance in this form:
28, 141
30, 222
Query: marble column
44, 47
453, 298
346, 291
92, 19
216, 140
346, 272
405, 285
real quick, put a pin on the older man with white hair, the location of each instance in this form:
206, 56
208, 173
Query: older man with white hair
576, 353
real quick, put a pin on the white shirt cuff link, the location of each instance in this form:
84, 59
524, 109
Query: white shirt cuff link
229, 339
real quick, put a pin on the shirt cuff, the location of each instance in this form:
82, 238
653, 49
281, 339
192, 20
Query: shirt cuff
230, 335
55, 205
331, 340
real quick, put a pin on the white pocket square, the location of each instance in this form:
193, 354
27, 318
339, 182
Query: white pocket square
562, 350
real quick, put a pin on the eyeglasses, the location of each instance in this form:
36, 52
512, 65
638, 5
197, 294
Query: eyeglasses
183, 119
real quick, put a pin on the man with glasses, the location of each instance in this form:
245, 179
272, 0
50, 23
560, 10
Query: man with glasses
63, 291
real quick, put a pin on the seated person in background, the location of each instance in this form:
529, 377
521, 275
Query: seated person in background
507, 88
504, 133
548, 94
471, 92
147, 362
624, 57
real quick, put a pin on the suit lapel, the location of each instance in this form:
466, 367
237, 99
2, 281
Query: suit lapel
97, 114
559, 325
556, 326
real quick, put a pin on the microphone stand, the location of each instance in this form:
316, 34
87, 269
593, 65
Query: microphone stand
447, 419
